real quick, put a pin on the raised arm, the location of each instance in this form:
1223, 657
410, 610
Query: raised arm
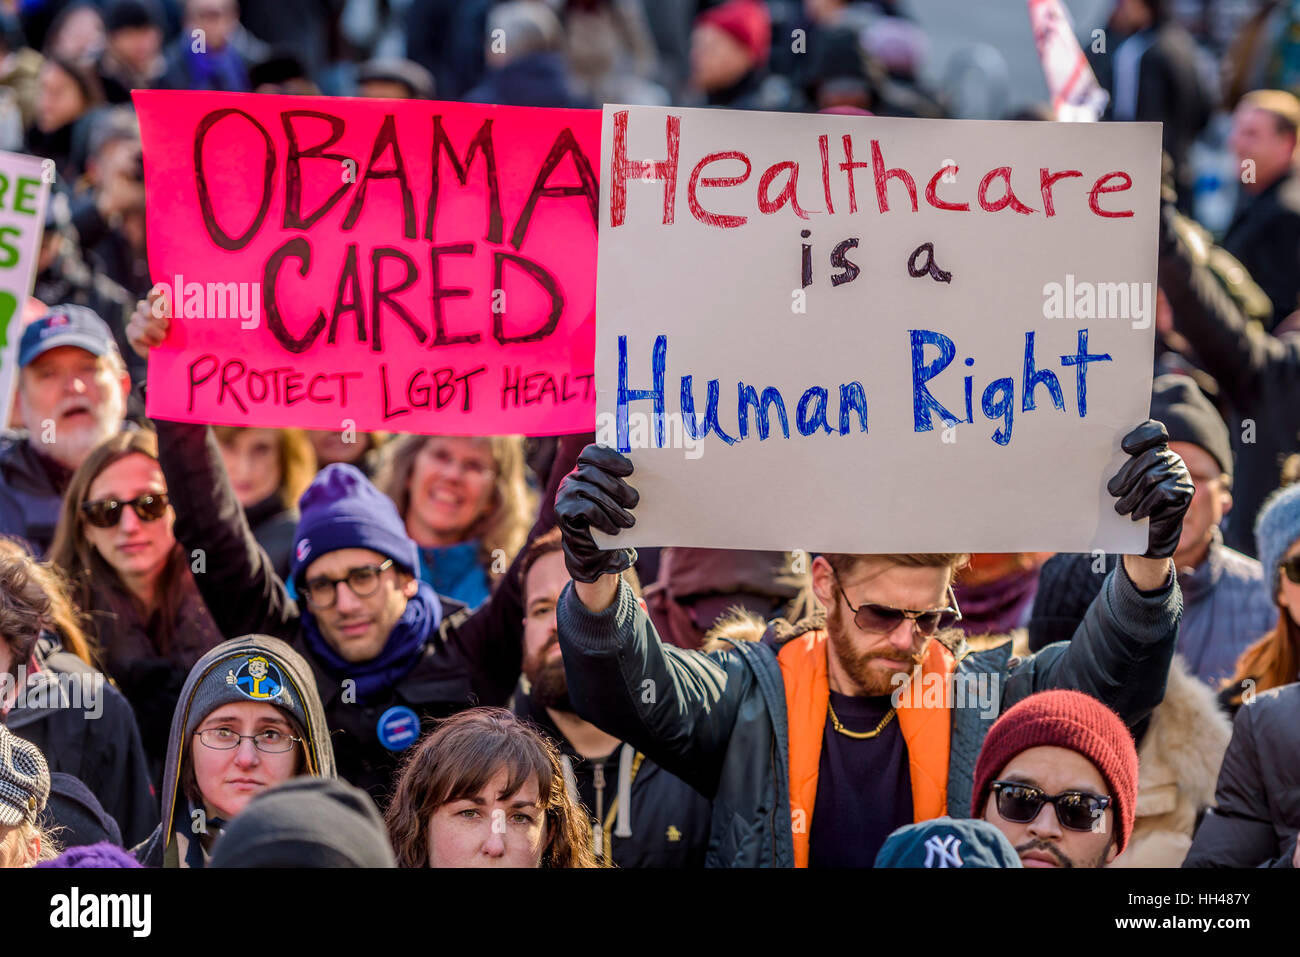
677, 707
1122, 649
1235, 351
236, 578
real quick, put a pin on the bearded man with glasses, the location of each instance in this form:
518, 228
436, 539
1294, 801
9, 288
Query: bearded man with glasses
804, 738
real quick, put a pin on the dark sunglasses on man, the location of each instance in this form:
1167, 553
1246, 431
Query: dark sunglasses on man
107, 512
1076, 810
881, 619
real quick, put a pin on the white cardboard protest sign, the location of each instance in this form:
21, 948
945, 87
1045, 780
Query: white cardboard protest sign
776, 259
24, 191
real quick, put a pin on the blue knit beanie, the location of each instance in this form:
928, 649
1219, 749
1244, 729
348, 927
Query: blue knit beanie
1276, 530
342, 509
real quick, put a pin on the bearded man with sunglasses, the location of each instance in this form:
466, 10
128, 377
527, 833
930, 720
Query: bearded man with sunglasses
806, 740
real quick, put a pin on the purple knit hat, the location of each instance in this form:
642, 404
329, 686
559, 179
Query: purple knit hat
343, 509
103, 854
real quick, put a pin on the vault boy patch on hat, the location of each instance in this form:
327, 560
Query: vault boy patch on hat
257, 678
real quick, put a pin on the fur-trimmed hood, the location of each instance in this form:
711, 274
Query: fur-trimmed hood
1178, 767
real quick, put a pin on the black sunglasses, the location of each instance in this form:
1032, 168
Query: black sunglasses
1292, 568
1076, 810
882, 619
107, 512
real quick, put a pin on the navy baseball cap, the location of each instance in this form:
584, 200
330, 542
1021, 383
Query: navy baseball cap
66, 325
948, 842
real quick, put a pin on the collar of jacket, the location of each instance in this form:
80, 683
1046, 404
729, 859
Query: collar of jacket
1197, 582
926, 731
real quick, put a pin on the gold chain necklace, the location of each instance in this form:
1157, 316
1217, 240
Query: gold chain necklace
858, 735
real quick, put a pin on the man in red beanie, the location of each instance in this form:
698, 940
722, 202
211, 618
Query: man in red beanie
1058, 776
730, 45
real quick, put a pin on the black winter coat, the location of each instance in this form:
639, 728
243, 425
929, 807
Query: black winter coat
668, 820
92, 736
30, 499
1265, 235
718, 720
1257, 815
1259, 374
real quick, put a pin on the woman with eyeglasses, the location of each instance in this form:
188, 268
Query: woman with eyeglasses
248, 718
466, 504
114, 542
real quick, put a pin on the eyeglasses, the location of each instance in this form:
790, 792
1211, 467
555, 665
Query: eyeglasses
882, 619
363, 580
444, 461
1292, 569
269, 741
107, 512
1076, 810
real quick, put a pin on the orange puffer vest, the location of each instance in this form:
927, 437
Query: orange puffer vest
926, 732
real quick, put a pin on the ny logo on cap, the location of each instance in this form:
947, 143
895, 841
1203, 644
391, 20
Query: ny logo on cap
943, 851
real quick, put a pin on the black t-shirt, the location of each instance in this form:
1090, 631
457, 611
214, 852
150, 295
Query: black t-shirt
864, 787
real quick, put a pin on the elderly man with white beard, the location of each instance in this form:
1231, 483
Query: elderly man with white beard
70, 396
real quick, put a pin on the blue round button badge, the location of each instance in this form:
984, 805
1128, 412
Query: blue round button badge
398, 727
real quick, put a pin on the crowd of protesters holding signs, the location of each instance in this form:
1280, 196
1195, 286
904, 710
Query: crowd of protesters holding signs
467, 615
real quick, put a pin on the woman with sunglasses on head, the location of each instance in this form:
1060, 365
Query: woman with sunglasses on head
1257, 813
130, 577
248, 718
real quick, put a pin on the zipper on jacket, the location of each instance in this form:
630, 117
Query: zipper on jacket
598, 781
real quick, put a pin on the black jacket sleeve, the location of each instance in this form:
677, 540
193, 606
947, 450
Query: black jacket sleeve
1240, 830
1238, 353
675, 706
238, 581
117, 769
1120, 653
490, 640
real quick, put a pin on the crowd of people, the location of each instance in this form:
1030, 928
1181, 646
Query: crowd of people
234, 647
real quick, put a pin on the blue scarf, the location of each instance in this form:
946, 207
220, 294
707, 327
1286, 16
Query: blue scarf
455, 571
404, 647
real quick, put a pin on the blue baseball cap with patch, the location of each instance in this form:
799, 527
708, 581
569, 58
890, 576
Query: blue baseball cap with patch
66, 325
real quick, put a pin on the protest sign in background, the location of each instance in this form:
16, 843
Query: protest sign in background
334, 263
952, 322
24, 191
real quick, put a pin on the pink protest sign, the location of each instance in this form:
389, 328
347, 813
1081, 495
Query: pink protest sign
408, 266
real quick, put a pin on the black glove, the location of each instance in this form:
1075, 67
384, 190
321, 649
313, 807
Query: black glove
1154, 483
594, 495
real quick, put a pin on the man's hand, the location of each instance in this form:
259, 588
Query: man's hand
1154, 483
149, 323
595, 495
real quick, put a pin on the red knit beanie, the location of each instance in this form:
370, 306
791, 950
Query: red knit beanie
1064, 719
747, 21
